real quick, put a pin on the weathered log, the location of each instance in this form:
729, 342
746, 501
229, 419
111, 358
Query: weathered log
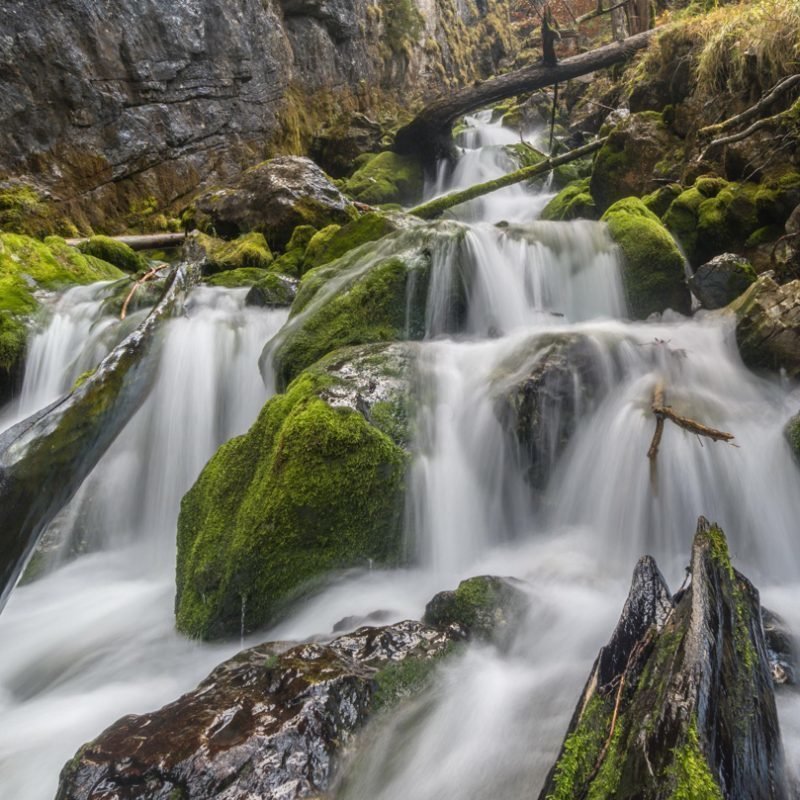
45, 458
680, 702
429, 135
435, 208
150, 241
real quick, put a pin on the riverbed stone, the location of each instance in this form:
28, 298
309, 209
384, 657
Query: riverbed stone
721, 280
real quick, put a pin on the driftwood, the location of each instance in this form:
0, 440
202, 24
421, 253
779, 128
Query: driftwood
429, 135
435, 208
45, 458
661, 411
150, 241
754, 111
148, 276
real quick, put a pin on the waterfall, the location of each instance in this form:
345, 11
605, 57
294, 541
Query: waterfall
95, 638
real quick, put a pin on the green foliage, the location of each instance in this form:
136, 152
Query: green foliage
114, 252
653, 271
308, 489
386, 178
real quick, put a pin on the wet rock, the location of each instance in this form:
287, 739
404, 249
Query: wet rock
316, 485
792, 435
339, 145
486, 607
721, 280
680, 702
574, 201
273, 198
768, 325
268, 723
653, 267
638, 156
541, 394
272, 291
353, 622
781, 649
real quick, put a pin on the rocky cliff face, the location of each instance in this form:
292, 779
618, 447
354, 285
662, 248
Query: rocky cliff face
119, 107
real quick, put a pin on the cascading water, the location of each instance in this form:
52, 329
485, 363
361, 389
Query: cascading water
95, 639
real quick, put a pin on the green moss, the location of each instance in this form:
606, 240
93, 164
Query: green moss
386, 178
403, 679
402, 22
291, 261
236, 278
249, 251
315, 253
307, 490
660, 200
114, 252
572, 202
690, 771
764, 235
653, 270
272, 291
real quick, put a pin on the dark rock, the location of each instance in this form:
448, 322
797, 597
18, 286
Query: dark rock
268, 723
351, 623
680, 702
721, 280
781, 649
768, 325
273, 198
336, 147
486, 607
272, 291
540, 394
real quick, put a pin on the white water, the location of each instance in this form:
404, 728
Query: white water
94, 639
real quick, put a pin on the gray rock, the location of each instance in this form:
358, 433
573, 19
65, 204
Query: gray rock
721, 280
781, 649
268, 723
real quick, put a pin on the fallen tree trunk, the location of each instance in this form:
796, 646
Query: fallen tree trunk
429, 135
150, 241
45, 458
435, 208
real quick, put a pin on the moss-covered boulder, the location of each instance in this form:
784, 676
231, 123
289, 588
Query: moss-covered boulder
574, 201
249, 251
679, 703
386, 178
237, 278
290, 262
721, 280
26, 265
486, 607
653, 267
639, 154
315, 485
272, 198
272, 290
375, 293
114, 252
768, 325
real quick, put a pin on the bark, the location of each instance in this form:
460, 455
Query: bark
151, 241
429, 135
435, 208
45, 458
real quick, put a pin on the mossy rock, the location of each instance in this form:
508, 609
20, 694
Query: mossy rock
639, 154
290, 262
721, 280
237, 278
375, 293
272, 291
26, 265
114, 252
249, 251
661, 199
574, 201
313, 486
386, 178
26, 210
487, 607
653, 267
792, 435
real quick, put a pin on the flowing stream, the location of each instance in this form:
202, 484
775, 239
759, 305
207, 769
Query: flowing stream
94, 638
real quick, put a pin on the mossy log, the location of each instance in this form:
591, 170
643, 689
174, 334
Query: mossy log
435, 208
45, 458
151, 241
680, 702
429, 135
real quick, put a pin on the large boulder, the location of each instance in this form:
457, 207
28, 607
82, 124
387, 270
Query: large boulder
273, 198
680, 702
574, 201
721, 280
768, 325
638, 156
249, 251
653, 268
315, 485
270, 723
539, 393
387, 178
